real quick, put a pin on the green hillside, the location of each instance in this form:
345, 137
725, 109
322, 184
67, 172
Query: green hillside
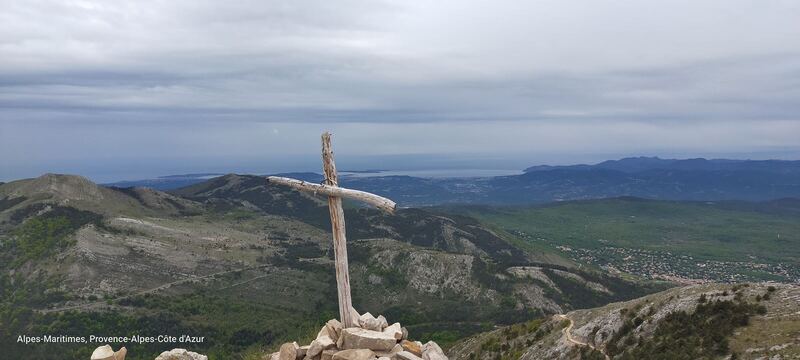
249, 265
708, 321
728, 241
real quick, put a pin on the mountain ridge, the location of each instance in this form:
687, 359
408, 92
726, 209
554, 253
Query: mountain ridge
248, 257
642, 163
647, 177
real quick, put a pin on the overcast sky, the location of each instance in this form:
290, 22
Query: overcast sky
119, 89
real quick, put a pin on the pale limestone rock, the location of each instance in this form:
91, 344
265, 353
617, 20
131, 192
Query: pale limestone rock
301, 352
357, 338
354, 354
396, 349
384, 358
181, 354
289, 351
383, 322
432, 351
395, 330
412, 347
328, 354
405, 355
354, 314
275, 356
321, 343
324, 332
405, 333
369, 322
105, 352
340, 341
334, 328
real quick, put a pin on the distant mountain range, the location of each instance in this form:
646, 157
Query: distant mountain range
643, 163
168, 182
646, 177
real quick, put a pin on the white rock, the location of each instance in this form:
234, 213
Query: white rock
339, 342
369, 322
432, 351
289, 351
358, 338
275, 356
383, 322
181, 354
354, 354
105, 352
396, 349
324, 332
301, 352
334, 328
405, 355
323, 342
395, 330
328, 354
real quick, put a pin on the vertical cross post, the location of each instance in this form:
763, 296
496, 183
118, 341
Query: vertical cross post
335, 194
339, 239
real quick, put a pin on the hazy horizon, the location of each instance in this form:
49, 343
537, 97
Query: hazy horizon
144, 168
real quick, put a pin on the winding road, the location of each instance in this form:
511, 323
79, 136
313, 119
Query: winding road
568, 333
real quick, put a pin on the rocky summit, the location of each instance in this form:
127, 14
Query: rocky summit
374, 338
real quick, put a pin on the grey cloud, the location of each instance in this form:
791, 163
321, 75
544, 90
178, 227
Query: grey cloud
711, 92
649, 73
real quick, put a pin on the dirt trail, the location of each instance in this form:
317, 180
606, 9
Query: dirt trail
568, 333
148, 291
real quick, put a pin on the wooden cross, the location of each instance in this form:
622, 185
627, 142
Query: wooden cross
335, 194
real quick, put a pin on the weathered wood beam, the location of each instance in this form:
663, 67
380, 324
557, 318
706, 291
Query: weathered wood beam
335, 194
328, 190
339, 239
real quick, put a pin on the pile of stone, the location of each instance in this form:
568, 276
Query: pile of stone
181, 354
105, 352
373, 338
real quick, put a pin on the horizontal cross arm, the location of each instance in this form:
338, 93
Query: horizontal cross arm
379, 202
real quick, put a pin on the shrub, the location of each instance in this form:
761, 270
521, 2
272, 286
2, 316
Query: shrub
699, 335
